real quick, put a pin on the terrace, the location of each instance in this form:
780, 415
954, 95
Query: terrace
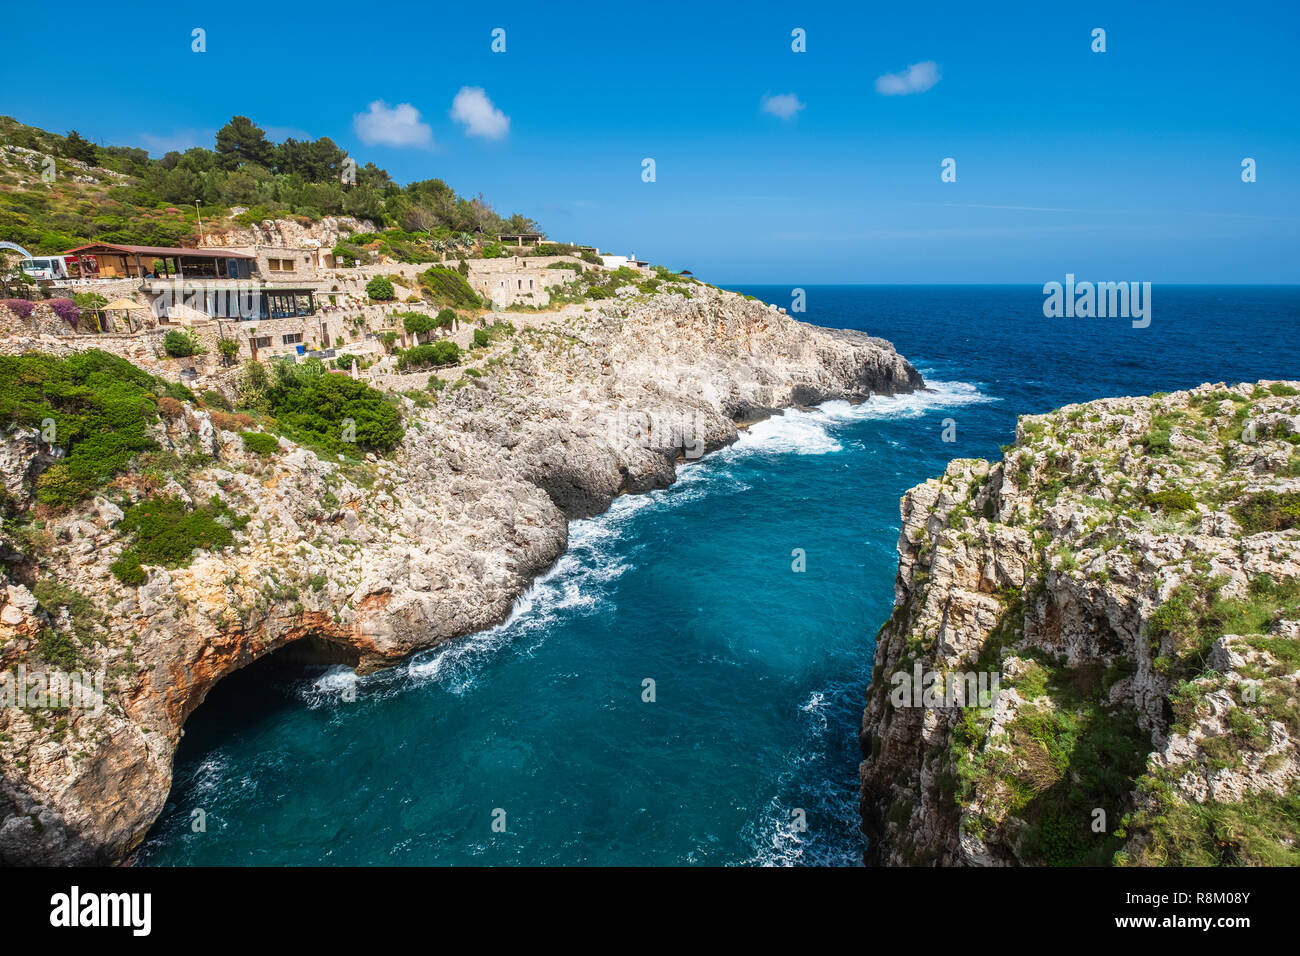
103, 260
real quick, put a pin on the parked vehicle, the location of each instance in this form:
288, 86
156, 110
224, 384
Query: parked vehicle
59, 267
44, 267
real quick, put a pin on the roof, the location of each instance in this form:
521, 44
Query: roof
123, 305
160, 251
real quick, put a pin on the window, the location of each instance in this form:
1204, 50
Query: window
262, 342
279, 306
293, 339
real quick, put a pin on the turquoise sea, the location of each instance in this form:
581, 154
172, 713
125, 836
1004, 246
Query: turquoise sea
759, 671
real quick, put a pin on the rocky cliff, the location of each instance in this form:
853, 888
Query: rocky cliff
1129, 576
289, 233
363, 561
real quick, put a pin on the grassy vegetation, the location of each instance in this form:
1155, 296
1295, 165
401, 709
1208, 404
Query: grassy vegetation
151, 202
444, 286
330, 413
1268, 511
1171, 500
55, 596
425, 356
167, 532
1067, 752
260, 443
1261, 830
95, 406
493, 333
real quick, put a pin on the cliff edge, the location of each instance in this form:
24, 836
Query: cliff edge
1123, 588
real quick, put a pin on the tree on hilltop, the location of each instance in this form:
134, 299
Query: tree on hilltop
76, 146
241, 142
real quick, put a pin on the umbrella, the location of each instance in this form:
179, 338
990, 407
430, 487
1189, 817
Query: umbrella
124, 305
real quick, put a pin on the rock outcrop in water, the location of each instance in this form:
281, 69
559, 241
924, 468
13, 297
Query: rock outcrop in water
369, 563
1130, 573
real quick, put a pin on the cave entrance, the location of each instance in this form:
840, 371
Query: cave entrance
259, 691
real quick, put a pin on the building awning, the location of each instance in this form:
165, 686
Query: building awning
123, 305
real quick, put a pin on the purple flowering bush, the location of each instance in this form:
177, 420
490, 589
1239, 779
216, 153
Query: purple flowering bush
67, 310
19, 307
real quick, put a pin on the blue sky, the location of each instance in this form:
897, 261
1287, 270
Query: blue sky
1117, 165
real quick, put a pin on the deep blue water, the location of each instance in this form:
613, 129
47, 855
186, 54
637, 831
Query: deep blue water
759, 671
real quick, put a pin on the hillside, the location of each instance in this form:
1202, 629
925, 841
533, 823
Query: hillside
60, 191
1129, 574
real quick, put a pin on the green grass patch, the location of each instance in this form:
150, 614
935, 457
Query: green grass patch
167, 532
95, 406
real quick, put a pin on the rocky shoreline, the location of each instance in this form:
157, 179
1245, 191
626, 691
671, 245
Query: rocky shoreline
369, 562
1129, 575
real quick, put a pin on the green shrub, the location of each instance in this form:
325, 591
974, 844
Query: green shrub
1157, 442
1268, 511
260, 443
497, 330
94, 406
380, 289
127, 569
439, 353
167, 532
57, 648
214, 399
449, 287
335, 413
1171, 500
417, 323
182, 344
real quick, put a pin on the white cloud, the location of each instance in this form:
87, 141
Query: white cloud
400, 125
917, 78
473, 110
784, 105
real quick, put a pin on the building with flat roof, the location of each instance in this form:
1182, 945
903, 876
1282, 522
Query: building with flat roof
521, 239
108, 260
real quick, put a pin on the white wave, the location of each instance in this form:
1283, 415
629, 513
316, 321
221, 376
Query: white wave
811, 431
908, 405
794, 432
580, 581
816, 706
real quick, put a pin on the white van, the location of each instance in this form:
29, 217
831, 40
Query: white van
45, 267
